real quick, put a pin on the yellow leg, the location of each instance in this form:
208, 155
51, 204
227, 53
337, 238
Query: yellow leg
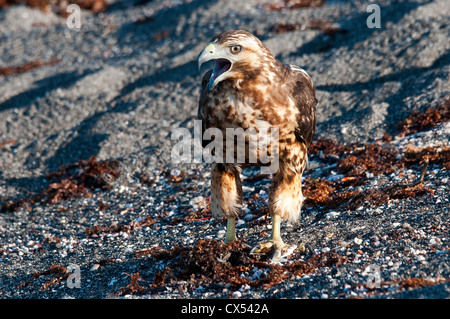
276, 222
275, 243
231, 230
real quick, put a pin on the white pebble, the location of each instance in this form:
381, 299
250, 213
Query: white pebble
240, 222
237, 294
332, 214
421, 258
95, 267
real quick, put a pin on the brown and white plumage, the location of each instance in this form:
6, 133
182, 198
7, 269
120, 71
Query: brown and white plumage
249, 88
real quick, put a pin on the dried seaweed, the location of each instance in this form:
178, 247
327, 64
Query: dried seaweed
324, 26
64, 190
150, 252
91, 173
413, 283
355, 161
319, 192
400, 284
327, 147
11, 70
420, 121
331, 195
128, 228
7, 143
281, 27
54, 269
433, 155
71, 181
161, 35
93, 5
134, 287
295, 4
146, 180
213, 262
102, 206
58, 272
378, 197
191, 214
370, 157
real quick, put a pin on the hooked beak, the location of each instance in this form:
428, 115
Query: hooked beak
206, 55
221, 66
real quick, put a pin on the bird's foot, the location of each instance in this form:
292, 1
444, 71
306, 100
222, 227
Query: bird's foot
230, 238
279, 248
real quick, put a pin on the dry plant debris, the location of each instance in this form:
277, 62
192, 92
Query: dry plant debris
213, 262
282, 27
419, 121
133, 287
73, 180
324, 26
96, 230
161, 35
330, 195
91, 173
295, 4
355, 161
59, 273
400, 284
7, 143
434, 155
11, 70
413, 282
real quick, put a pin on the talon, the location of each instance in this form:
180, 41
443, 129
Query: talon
280, 255
261, 248
279, 248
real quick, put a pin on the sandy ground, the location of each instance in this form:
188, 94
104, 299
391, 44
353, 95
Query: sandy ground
128, 77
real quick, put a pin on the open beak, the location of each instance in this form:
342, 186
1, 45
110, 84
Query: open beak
206, 55
221, 66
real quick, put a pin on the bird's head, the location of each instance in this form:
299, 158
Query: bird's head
236, 53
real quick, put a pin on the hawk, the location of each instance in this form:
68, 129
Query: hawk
249, 88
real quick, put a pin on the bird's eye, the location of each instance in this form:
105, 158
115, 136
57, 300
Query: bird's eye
235, 49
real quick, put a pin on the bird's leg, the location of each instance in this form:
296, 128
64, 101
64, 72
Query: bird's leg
226, 196
276, 235
231, 230
285, 201
275, 242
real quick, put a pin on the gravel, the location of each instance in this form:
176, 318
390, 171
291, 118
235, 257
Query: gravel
125, 81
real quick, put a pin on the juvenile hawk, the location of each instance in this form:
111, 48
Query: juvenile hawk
249, 88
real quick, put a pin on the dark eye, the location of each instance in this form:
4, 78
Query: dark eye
235, 49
